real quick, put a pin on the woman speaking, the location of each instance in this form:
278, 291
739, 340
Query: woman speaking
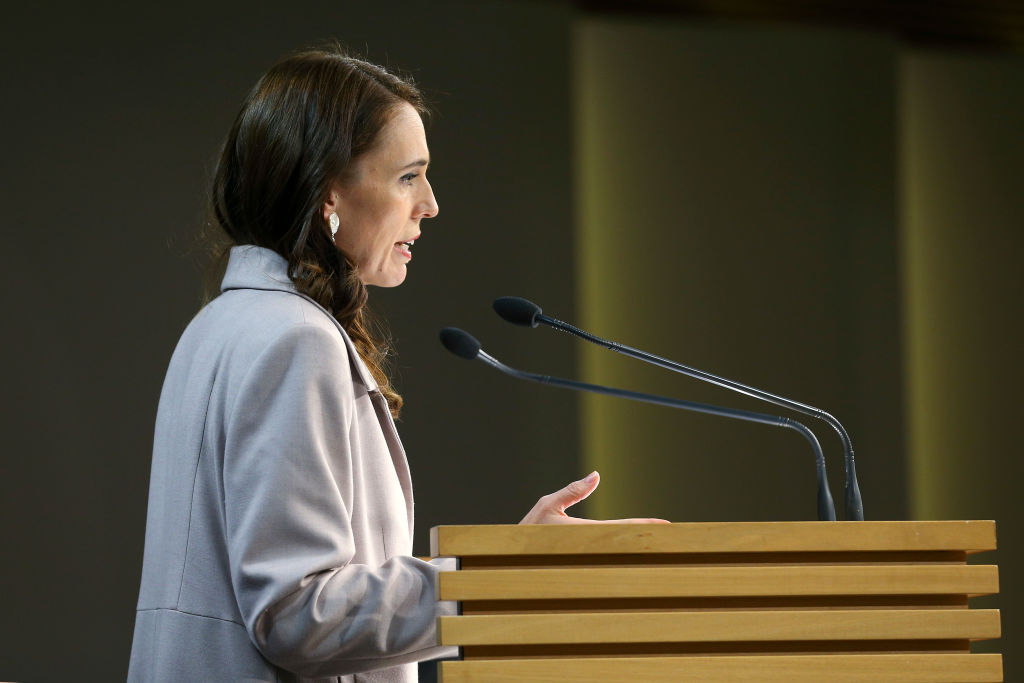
279, 526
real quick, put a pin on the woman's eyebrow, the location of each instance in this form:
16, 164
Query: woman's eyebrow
417, 163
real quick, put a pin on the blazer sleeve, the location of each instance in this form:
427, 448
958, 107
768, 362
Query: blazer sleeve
287, 457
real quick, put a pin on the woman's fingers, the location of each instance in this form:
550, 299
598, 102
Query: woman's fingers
574, 492
565, 519
550, 509
631, 520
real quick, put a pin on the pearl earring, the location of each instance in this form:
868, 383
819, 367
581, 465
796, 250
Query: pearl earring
335, 222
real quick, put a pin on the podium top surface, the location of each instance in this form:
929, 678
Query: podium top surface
711, 537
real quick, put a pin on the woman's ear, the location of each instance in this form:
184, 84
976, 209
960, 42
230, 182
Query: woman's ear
332, 202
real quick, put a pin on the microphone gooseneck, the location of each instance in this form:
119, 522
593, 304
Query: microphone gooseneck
461, 343
513, 309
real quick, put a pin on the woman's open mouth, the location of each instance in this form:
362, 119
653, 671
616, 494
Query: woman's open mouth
405, 248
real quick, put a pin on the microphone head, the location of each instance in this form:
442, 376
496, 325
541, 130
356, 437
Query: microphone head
461, 343
517, 311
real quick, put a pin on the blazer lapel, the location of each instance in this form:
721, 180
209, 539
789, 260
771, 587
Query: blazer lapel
387, 425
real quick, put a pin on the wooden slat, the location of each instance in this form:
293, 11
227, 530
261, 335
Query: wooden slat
711, 537
709, 559
652, 582
767, 602
734, 649
923, 668
640, 627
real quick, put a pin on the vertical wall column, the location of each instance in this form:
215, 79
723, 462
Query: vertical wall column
963, 214
736, 211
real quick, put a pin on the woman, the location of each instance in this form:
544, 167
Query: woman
280, 511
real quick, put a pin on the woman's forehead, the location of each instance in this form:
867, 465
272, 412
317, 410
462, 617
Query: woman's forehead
403, 139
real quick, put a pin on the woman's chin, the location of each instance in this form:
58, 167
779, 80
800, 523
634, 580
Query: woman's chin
391, 277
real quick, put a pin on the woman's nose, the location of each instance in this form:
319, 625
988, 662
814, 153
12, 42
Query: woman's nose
429, 208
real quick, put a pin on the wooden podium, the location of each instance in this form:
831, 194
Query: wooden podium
782, 601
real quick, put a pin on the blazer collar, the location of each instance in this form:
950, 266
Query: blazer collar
253, 267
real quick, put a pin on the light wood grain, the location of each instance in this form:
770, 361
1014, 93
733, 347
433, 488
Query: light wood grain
926, 668
647, 582
711, 537
640, 627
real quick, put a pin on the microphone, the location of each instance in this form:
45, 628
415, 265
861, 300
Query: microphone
465, 346
520, 311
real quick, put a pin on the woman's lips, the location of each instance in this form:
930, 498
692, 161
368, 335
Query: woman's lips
405, 248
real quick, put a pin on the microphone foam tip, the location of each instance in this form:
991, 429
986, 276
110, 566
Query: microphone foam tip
517, 311
459, 342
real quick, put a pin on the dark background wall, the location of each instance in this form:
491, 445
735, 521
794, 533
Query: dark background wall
111, 121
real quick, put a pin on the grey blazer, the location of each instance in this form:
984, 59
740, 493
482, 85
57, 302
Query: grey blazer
280, 506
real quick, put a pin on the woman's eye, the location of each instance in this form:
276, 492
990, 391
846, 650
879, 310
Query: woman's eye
409, 177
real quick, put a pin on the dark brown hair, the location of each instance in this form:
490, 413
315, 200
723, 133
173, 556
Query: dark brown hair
304, 123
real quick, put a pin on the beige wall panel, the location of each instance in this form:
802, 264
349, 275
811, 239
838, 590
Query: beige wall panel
962, 117
736, 209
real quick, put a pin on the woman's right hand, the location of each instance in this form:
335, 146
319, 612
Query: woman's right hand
550, 509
